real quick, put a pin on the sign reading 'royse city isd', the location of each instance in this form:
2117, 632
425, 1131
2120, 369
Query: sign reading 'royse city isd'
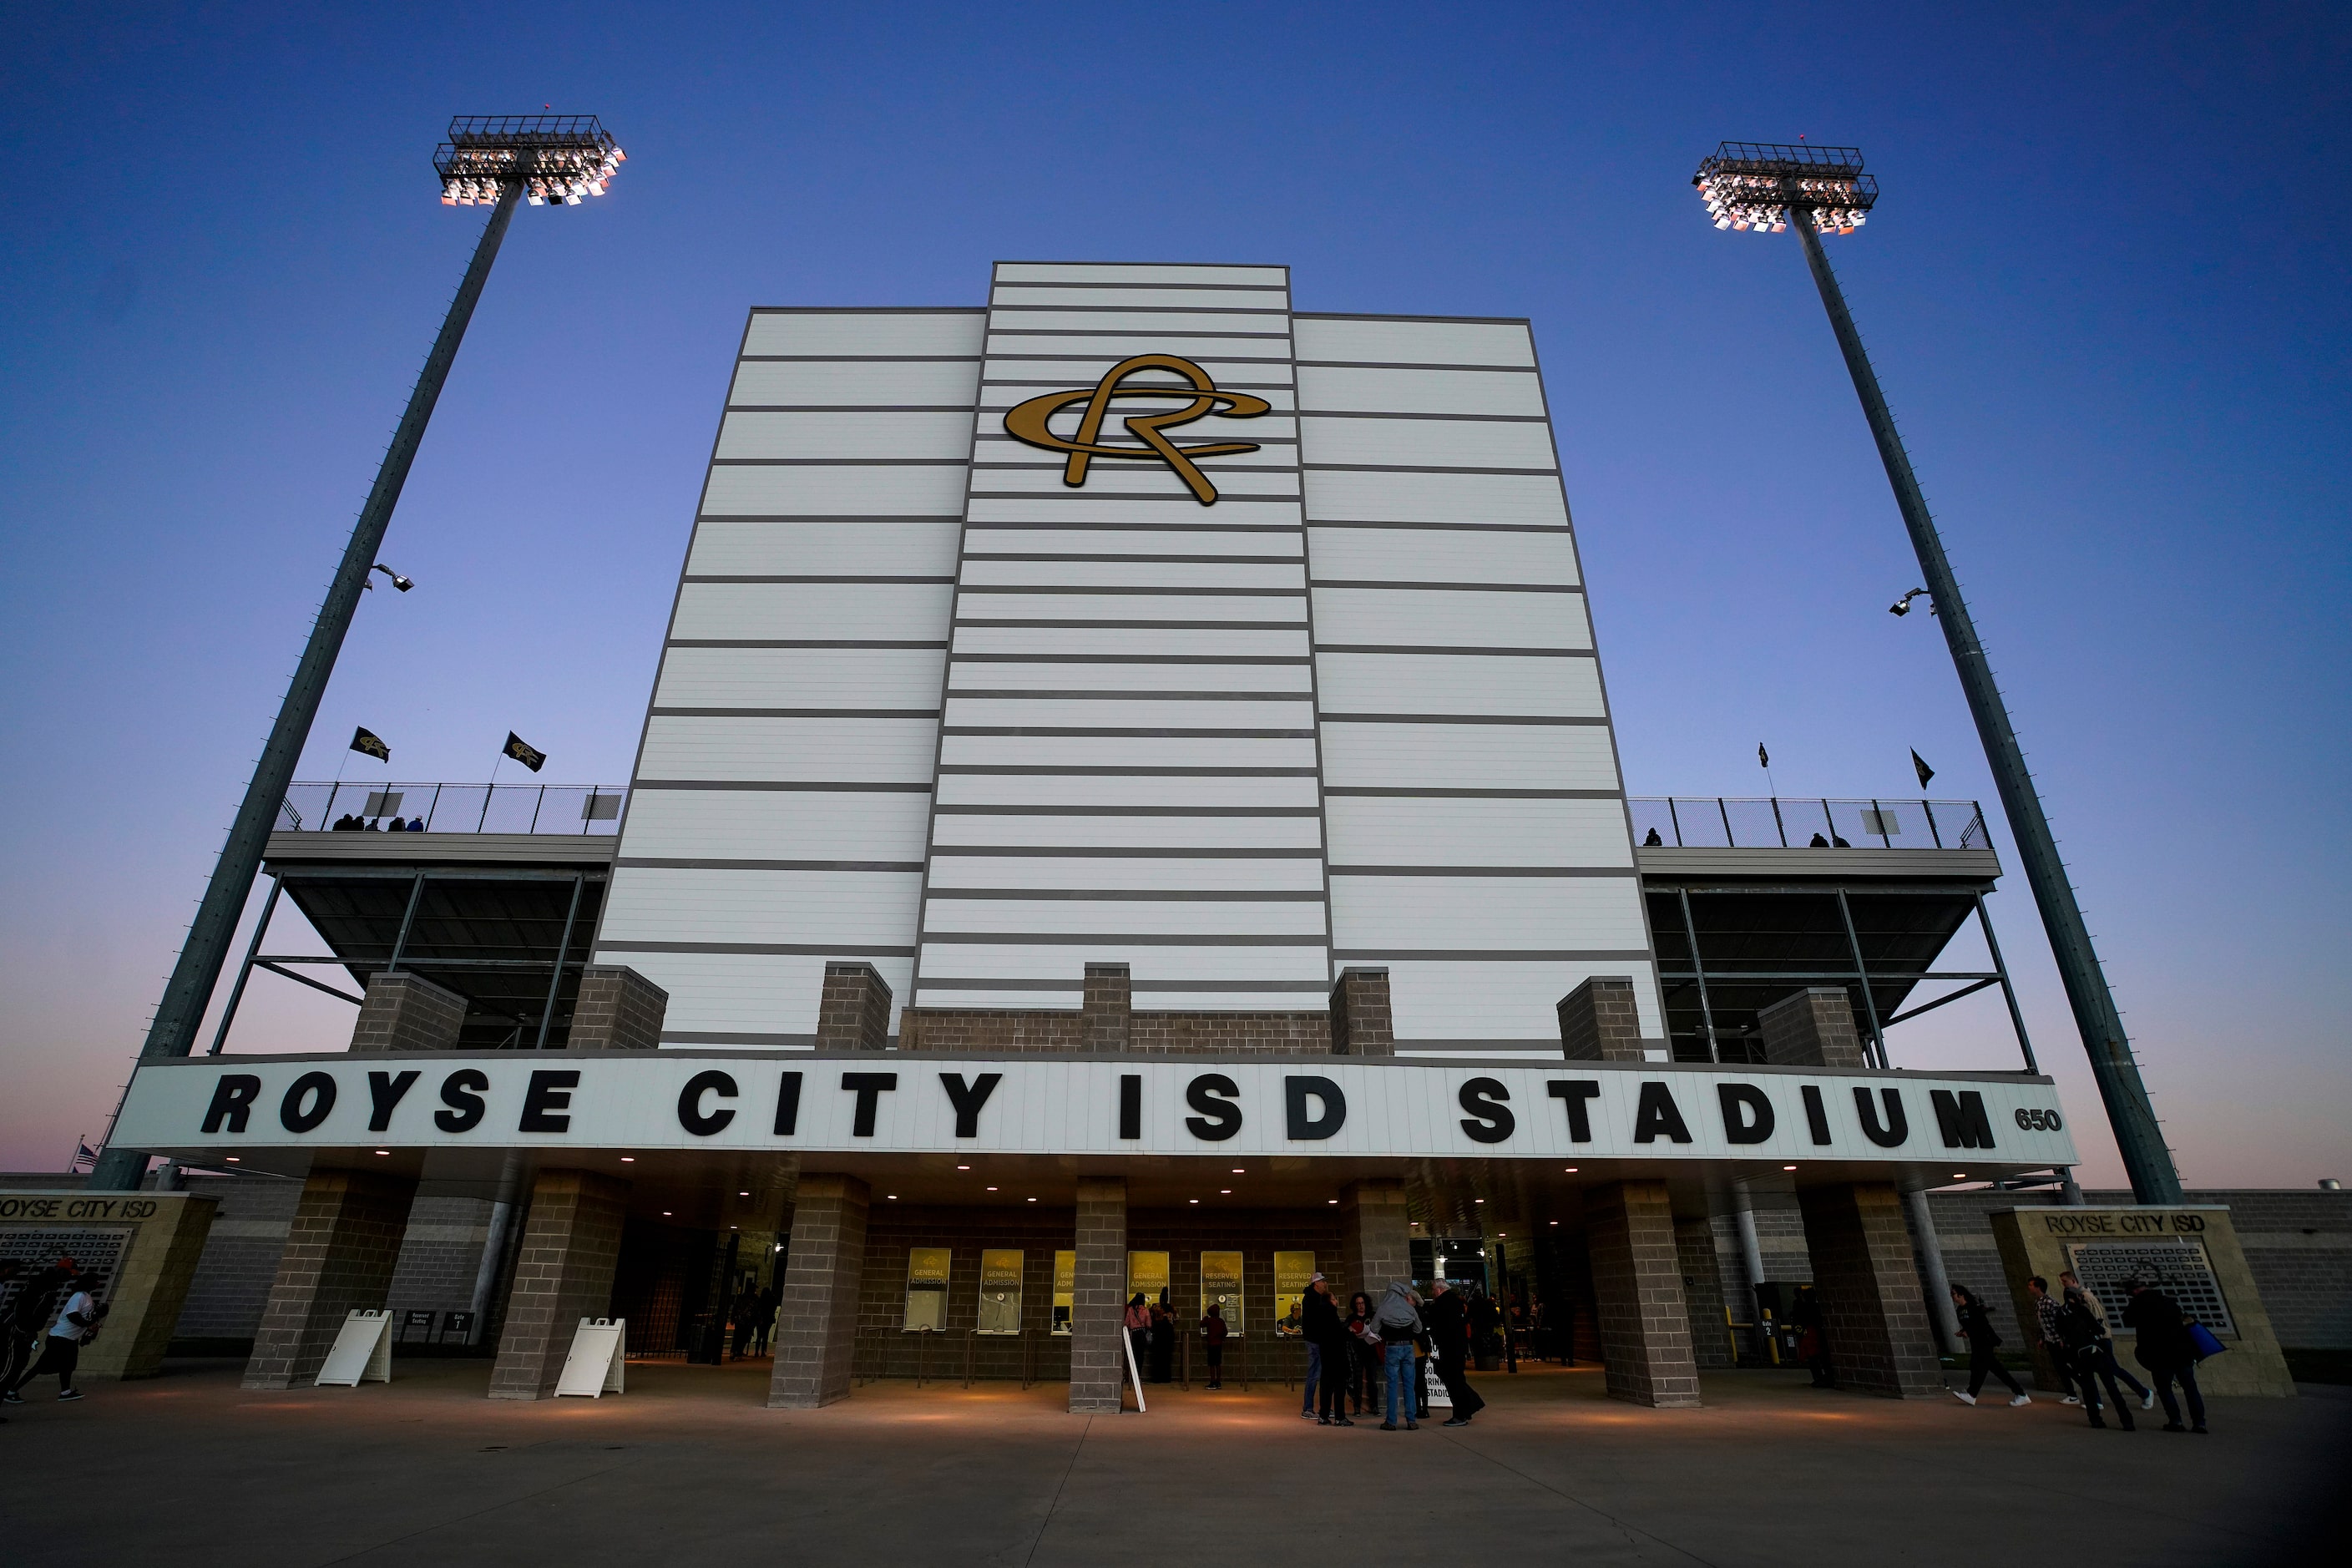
914, 1103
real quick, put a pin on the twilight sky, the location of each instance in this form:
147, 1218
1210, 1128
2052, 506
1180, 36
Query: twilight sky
2104, 289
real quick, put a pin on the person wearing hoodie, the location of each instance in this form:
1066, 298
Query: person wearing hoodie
1326, 1354
1449, 1323
1400, 1324
1983, 1341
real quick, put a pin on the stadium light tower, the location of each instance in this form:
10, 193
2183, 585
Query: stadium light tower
1761, 188
494, 160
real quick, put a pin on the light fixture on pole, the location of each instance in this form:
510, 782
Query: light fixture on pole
497, 161
1902, 607
406, 583
1762, 187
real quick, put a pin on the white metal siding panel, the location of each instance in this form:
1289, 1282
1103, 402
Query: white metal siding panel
1136, 917
990, 540
1142, 834
1042, 482
1478, 914
1048, 792
1468, 756
1442, 1000
1166, 296
782, 750
1024, 316
1489, 392
770, 997
860, 678
1291, 575
992, 676
865, 826
1432, 343
857, 334
832, 910
1442, 555
1171, 714
976, 605
1160, 961
1422, 443
1273, 642
803, 611
871, 383
1106, 873
1077, 509
867, 432
820, 489
1494, 685
1340, 495
1113, 347
1392, 830
1443, 618
1137, 275
1125, 752
730, 548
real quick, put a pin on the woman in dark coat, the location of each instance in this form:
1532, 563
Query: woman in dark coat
2166, 1350
1163, 1344
1363, 1354
1983, 1340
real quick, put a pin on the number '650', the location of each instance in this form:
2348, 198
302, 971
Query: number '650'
2038, 1121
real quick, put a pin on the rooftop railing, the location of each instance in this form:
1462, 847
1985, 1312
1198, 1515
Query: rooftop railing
1714, 822
452, 808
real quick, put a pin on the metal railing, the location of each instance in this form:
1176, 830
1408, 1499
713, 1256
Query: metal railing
1713, 822
452, 807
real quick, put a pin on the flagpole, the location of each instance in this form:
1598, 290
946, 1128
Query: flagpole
190, 991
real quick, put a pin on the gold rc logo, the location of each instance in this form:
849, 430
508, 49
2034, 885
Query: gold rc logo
1027, 422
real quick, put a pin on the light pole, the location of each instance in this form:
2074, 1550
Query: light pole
1762, 188
495, 161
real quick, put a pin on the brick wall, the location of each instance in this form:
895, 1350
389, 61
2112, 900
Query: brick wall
853, 1010
1637, 1291
618, 1009
571, 1244
1599, 1022
404, 1011
341, 1250
959, 1031
1873, 1313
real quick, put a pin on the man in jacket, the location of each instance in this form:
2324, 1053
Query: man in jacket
1399, 1318
1449, 1335
1327, 1353
28, 1314
2166, 1350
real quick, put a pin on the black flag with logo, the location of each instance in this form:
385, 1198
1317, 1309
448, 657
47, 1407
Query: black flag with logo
521, 750
1920, 767
367, 743
1763, 757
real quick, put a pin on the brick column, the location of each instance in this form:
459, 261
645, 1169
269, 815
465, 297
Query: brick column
817, 1316
1637, 1287
1599, 1022
1375, 1238
563, 1272
1813, 1028
853, 1012
618, 1009
1098, 1364
1362, 1021
1872, 1311
341, 1251
1702, 1292
1106, 1007
405, 1012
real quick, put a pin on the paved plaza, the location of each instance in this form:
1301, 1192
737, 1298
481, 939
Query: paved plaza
690, 1467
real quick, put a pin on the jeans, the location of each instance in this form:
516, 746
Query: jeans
2187, 1372
1982, 1364
2088, 1372
1314, 1377
2107, 1364
1399, 1372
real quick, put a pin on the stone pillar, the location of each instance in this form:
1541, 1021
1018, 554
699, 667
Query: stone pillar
1363, 1024
1599, 1022
341, 1251
853, 1012
1813, 1028
1375, 1238
1872, 1317
1702, 1292
1097, 1361
405, 1012
1106, 1007
618, 1009
1637, 1288
571, 1244
816, 1314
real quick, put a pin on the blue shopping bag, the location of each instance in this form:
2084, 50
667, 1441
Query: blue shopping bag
2201, 1339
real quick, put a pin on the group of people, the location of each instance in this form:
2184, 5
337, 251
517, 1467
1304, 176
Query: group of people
55, 1313
352, 823
752, 1315
1370, 1356
2073, 1328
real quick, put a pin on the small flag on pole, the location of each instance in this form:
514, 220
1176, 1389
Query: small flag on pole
1922, 769
523, 752
367, 743
84, 1154
1763, 757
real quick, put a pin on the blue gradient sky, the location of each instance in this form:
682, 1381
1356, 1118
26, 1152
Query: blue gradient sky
2104, 289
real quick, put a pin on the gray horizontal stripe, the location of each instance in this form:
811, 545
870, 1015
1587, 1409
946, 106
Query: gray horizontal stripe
1132, 626
996, 282
1107, 592
997, 309
761, 948
1206, 530
1421, 468
1309, 944
1141, 455
861, 359
826, 786
728, 517
838, 462
724, 1037
669, 864
1268, 658
796, 642
1477, 872
860, 577
1155, 560
1409, 791
1498, 954
1366, 316
1180, 987
1416, 587
1129, 811
1074, 500
794, 713
1447, 648
1120, 694
1128, 732
1405, 364
996, 331
988, 382
1060, 852
868, 311
853, 407
1442, 527
1459, 418
1129, 772
1458, 718
1120, 896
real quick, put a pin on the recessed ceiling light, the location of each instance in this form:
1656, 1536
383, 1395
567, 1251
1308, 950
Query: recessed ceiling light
1191, 1200
894, 1197
1225, 1192
742, 1195
1033, 1200
383, 1151
1239, 1171
1477, 1200
991, 1189
234, 1160
963, 1167
734, 1228
1330, 1200
1788, 1167
664, 1213
628, 1159
1571, 1170
1555, 1222
1957, 1175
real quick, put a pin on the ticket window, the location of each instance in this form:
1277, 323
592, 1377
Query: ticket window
999, 1291
1147, 1276
1221, 1287
1292, 1270
1065, 1289
926, 1289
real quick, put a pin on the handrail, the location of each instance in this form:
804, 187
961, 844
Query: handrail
532, 809
1786, 822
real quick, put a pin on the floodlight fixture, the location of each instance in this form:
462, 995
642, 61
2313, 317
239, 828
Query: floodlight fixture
1758, 186
555, 159
500, 161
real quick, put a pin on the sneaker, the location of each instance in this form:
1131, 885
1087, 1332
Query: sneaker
12, 1398
1306, 1416
1412, 1426
69, 1394
2097, 1422
1322, 1421
1388, 1425
2148, 1399
1964, 1396
1343, 1421
2021, 1399
1456, 1421
2072, 1399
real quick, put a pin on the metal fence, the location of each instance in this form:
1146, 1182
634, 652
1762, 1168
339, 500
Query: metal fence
1712, 822
452, 807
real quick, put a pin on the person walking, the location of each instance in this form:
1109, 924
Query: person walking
1983, 1341
33, 1311
2166, 1351
1813, 1344
1327, 1353
1363, 1354
2046, 1310
763, 1320
2080, 1332
76, 1326
1138, 1332
2072, 1289
1399, 1318
1451, 1321
1214, 1330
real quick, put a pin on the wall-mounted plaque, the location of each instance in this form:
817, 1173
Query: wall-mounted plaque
1291, 1272
2178, 1265
1147, 1275
926, 1289
999, 1291
1221, 1287
1065, 1289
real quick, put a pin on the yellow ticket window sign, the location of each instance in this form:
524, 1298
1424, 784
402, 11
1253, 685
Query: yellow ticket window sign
926, 1289
1221, 1287
999, 1291
1065, 1289
1291, 1272
1147, 1276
